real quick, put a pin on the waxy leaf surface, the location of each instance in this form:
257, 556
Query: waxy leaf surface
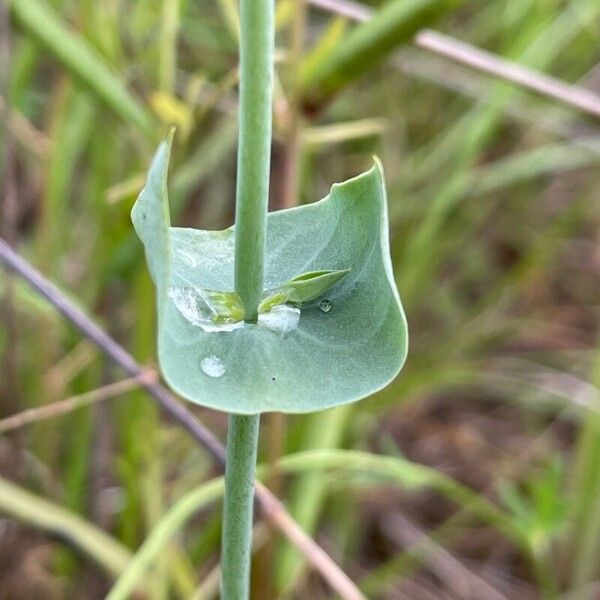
342, 346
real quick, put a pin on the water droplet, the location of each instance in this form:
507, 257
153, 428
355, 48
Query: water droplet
325, 305
204, 308
213, 366
280, 319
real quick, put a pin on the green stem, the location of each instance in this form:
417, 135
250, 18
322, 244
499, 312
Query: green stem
254, 150
254, 158
242, 441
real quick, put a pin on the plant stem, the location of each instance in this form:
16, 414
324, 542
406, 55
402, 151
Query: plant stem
254, 158
242, 441
254, 150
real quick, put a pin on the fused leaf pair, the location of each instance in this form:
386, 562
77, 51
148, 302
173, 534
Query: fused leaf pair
331, 327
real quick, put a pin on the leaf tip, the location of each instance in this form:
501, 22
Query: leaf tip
378, 165
171, 135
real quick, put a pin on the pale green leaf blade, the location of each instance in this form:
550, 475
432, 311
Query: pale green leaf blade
330, 357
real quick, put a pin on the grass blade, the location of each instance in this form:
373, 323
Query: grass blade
40, 513
367, 44
41, 22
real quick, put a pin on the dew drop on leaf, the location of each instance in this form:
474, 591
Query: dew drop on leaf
325, 305
213, 366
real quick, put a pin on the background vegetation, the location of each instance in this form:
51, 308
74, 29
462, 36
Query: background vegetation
491, 434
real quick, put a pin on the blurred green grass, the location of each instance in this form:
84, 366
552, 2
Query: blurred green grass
494, 211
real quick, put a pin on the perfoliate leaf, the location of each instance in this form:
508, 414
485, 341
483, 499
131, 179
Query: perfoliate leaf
331, 328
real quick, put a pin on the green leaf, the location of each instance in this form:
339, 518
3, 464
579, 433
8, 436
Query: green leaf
302, 289
312, 285
330, 351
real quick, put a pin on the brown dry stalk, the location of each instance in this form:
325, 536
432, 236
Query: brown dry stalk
32, 415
